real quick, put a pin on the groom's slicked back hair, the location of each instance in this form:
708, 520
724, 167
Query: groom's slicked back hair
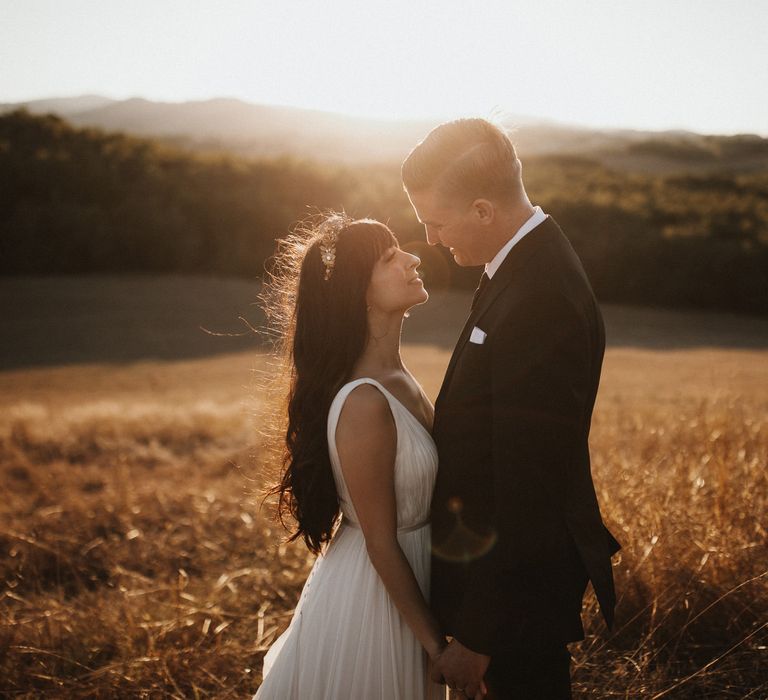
465, 158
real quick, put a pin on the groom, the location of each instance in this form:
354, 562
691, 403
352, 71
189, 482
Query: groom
516, 528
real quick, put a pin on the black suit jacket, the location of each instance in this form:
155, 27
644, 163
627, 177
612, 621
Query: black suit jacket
516, 527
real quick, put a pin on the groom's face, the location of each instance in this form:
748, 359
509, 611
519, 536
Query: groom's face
449, 224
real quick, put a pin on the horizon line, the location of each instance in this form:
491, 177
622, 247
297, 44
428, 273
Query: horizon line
501, 115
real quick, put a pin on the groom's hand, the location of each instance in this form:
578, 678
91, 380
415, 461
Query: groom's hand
462, 669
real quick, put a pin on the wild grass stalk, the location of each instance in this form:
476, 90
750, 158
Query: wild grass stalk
134, 560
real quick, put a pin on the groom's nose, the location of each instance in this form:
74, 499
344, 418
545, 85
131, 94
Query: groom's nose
432, 237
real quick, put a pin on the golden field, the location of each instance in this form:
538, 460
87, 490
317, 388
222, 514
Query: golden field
135, 560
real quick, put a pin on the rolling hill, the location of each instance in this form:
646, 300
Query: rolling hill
267, 131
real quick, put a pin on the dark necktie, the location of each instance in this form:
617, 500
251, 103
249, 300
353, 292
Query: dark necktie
479, 291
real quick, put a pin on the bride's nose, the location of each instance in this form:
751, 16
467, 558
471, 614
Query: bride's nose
414, 261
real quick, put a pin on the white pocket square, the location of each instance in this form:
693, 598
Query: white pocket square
478, 336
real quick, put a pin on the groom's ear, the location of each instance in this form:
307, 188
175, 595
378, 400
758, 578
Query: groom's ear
483, 211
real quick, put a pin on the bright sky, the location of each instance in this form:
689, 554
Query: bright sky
655, 64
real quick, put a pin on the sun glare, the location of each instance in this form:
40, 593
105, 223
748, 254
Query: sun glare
598, 64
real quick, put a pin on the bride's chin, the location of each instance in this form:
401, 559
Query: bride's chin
422, 298
417, 300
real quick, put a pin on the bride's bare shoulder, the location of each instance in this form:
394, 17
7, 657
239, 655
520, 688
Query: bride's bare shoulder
364, 407
366, 424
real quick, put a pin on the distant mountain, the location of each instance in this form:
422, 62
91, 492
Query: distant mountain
227, 124
248, 129
63, 106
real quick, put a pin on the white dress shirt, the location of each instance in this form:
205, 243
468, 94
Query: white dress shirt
535, 219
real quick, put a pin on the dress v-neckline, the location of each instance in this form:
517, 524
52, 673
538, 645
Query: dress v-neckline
399, 402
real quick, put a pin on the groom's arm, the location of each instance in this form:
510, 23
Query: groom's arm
539, 360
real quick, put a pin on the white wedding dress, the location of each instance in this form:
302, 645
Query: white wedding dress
347, 640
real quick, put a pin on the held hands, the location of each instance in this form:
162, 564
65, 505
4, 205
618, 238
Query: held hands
462, 669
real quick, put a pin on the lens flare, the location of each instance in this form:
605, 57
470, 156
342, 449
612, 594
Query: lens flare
463, 545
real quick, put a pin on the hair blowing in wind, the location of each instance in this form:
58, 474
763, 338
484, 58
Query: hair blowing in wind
319, 322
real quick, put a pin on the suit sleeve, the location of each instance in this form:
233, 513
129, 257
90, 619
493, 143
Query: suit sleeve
539, 364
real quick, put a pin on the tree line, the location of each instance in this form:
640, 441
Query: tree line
78, 201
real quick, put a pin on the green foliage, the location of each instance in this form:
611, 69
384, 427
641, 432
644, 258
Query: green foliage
692, 148
80, 201
83, 201
695, 241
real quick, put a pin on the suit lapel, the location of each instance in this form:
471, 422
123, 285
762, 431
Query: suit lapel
505, 275
460, 343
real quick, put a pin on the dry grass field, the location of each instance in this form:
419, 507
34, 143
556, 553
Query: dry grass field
135, 560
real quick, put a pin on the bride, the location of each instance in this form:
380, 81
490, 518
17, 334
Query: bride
359, 467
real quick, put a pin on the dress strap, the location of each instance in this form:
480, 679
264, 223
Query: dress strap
338, 403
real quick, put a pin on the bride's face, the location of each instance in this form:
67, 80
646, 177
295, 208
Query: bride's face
395, 285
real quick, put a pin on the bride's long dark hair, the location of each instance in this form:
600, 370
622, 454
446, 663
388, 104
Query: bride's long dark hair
321, 328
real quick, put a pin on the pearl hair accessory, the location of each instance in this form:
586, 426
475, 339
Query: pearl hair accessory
328, 253
329, 235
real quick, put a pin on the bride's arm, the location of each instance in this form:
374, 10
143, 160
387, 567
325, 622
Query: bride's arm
366, 439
